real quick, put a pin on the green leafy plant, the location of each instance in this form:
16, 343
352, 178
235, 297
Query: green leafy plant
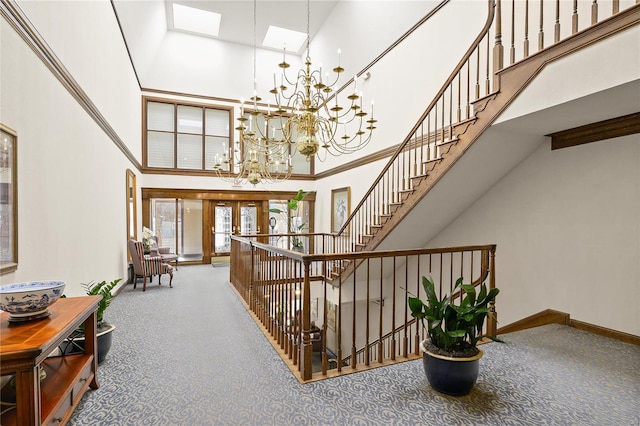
103, 289
292, 206
454, 327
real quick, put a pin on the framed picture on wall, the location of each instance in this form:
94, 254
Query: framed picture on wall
340, 208
332, 311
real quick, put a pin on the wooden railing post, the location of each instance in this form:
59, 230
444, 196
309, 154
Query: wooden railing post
498, 48
492, 320
306, 353
250, 301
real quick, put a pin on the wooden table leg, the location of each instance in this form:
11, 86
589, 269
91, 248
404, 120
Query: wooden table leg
91, 346
28, 396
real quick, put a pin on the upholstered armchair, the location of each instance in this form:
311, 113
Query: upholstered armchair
147, 265
164, 252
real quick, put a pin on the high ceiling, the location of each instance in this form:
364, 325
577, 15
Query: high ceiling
236, 25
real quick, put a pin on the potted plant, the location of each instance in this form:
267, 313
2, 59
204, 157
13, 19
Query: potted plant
450, 354
75, 342
296, 225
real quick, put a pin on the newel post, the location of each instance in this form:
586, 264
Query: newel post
306, 352
492, 320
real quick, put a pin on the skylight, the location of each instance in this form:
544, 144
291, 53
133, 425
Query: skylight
196, 20
277, 38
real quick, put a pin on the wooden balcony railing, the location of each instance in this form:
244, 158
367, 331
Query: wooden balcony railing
349, 321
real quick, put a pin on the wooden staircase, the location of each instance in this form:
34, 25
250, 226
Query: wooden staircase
476, 93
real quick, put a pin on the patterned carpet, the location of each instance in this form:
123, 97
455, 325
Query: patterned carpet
192, 355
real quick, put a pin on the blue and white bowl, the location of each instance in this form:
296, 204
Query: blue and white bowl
30, 298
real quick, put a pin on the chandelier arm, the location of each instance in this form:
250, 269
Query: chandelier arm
305, 122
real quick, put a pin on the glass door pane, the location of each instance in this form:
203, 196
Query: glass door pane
222, 228
249, 219
190, 230
164, 222
278, 223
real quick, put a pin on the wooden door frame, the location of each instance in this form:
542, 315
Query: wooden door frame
211, 197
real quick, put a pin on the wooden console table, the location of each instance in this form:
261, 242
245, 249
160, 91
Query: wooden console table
25, 347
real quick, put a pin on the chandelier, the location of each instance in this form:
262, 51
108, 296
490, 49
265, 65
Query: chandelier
306, 118
259, 158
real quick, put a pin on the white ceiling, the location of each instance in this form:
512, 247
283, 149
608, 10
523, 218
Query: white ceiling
236, 25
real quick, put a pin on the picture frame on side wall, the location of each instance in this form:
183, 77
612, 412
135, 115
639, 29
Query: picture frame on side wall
8, 199
340, 208
332, 314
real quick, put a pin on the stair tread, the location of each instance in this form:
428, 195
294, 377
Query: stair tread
422, 176
448, 141
431, 161
465, 121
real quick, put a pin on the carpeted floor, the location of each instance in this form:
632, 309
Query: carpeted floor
192, 355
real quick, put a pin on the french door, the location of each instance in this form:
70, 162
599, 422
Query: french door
177, 223
233, 218
198, 225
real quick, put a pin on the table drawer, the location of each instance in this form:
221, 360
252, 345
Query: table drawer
60, 412
81, 382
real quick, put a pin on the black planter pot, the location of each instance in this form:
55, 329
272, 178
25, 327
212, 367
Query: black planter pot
451, 376
75, 344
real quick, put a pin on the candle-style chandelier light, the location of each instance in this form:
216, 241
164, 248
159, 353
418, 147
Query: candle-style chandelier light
256, 158
305, 118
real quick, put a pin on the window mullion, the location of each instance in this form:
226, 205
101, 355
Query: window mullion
204, 132
175, 136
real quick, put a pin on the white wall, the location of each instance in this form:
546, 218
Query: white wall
86, 38
567, 227
71, 176
402, 84
405, 80
191, 64
609, 63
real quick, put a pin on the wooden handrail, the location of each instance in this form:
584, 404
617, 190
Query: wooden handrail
424, 115
438, 138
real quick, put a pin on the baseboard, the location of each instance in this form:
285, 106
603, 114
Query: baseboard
550, 316
607, 332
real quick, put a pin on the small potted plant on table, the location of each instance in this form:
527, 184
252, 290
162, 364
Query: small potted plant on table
451, 355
